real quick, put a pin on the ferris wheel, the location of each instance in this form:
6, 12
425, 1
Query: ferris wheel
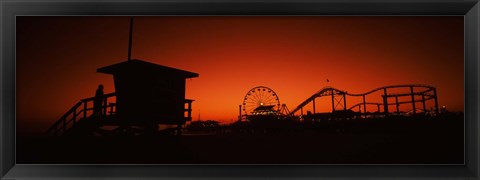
260, 97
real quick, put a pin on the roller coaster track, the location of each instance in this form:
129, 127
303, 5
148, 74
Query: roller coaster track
427, 92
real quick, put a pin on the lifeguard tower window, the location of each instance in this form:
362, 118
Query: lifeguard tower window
149, 92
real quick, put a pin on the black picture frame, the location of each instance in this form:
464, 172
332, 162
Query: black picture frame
9, 9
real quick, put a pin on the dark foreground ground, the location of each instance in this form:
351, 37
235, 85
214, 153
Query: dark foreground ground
424, 141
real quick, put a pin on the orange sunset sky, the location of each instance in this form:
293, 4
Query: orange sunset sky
57, 58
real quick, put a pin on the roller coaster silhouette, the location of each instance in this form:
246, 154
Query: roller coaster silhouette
411, 95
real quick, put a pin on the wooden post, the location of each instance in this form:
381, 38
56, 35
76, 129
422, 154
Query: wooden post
84, 109
364, 106
111, 109
104, 106
333, 102
189, 110
344, 102
239, 113
413, 100
396, 103
436, 101
423, 102
385, 101
313, 105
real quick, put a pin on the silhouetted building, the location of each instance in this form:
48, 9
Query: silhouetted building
264, 110
149, 94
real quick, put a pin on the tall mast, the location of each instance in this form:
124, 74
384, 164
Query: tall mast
130, 39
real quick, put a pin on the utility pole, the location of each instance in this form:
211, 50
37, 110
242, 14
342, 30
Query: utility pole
130, 39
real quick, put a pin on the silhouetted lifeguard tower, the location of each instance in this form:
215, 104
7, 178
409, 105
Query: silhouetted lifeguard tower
146, 95
149, 94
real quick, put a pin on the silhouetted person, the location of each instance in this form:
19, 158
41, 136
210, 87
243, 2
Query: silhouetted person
97, 102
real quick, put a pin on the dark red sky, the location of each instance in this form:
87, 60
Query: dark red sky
57, 57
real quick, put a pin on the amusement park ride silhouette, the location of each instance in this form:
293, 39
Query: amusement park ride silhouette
148, 95
262, 101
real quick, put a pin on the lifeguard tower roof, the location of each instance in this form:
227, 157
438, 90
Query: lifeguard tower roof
135, 65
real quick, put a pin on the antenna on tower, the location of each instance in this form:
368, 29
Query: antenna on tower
130, 40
